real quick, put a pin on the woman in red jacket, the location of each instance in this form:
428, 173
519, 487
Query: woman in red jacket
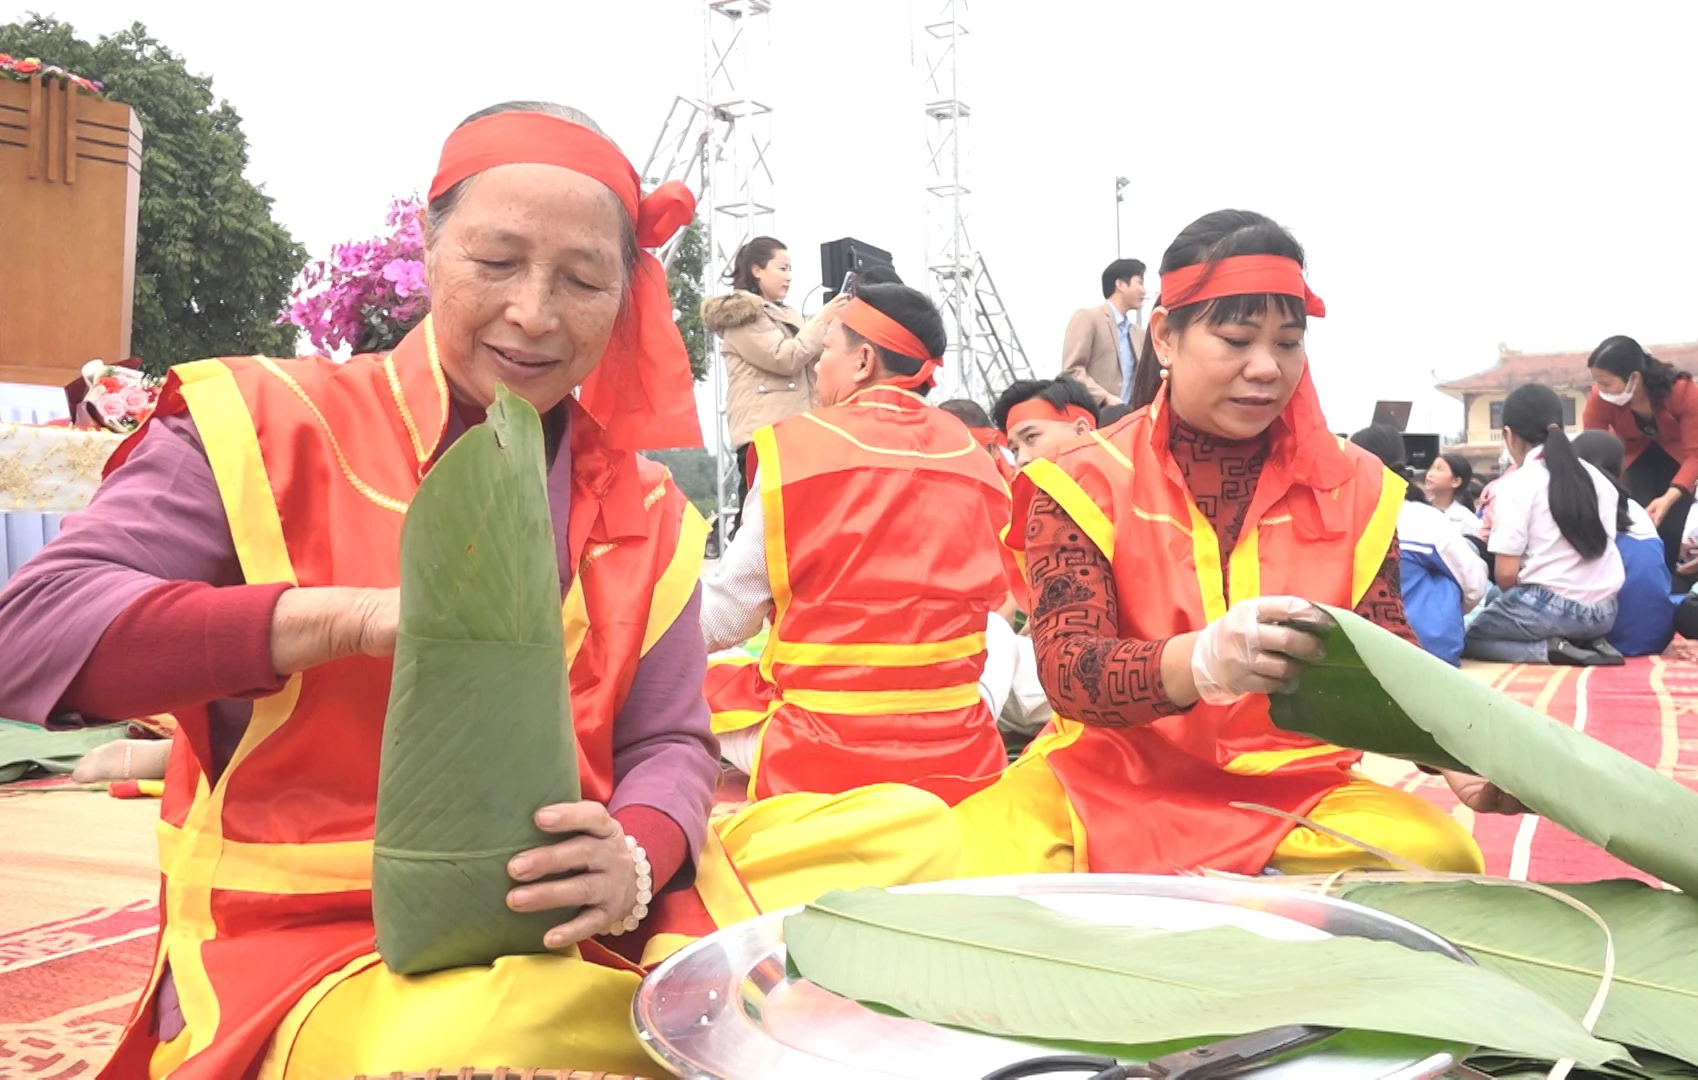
1652, 407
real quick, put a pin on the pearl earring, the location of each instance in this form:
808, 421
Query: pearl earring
1166, 373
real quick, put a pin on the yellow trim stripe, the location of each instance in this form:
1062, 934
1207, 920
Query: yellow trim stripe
884, 702
1205, 552
1263, 762
724, 723
777, 554
1246, 563
232, 447
884, 655
1067, 493
972, 446
574, 619
678, 581
1375, 541
287, 869
1113, 451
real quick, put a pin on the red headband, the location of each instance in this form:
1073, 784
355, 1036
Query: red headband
641, 393
1240, 275
989, 436
887, 333
1038, 409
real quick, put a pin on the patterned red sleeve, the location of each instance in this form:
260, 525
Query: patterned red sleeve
1382, 604
1089, 672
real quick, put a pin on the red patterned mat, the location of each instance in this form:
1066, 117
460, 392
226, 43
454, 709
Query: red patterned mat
1647, 710
67, 988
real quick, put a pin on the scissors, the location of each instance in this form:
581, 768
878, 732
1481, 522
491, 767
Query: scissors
1214, 1061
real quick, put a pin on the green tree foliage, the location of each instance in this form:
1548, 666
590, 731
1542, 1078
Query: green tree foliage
692, 471
212, 267
685, 278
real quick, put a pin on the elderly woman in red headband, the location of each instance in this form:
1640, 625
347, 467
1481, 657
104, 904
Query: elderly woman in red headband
247, 550
1167, 557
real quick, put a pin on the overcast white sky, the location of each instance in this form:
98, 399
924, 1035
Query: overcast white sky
1462, 174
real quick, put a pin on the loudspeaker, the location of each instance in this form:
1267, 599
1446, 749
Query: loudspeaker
838, 257
1420, 451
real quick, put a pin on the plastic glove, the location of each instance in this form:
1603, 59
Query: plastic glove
1246, 651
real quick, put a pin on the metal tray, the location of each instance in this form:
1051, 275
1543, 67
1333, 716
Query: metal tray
725, 1007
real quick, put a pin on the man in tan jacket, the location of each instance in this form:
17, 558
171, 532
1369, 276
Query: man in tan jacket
1101, 346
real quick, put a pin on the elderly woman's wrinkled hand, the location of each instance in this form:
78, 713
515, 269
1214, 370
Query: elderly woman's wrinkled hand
1255, 649
1481, 795
592, 869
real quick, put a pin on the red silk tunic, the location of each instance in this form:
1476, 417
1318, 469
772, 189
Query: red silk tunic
267, 869
1156, 798
883, 526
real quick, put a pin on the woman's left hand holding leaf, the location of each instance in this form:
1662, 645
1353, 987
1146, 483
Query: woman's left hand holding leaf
601, 874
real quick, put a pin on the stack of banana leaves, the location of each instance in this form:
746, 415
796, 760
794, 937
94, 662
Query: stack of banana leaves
1586, 980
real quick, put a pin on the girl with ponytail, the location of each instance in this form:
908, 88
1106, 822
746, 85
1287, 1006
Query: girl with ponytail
1652, 407
1553, 544
1644, 623
1443, 577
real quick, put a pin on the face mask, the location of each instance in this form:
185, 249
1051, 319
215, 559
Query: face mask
1626, 395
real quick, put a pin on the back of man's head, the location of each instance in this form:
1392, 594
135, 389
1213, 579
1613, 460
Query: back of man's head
968, 412
912, 310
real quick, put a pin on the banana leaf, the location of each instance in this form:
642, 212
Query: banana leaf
1376, 692
27, 750
1558, 952
1005, 966
478, 735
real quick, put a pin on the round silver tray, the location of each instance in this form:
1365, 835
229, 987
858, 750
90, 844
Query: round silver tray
726, 1008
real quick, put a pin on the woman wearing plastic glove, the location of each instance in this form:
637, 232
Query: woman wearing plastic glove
1166, 558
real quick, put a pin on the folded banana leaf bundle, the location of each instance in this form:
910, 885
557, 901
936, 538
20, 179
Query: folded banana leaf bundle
478, 735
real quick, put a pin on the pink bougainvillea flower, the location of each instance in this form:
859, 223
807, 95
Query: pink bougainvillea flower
407, 275
5, 59
27, 67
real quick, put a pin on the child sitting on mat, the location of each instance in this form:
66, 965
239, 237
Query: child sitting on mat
1553, 547
1644, 623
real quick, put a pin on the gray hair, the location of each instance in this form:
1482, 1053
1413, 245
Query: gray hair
436, 214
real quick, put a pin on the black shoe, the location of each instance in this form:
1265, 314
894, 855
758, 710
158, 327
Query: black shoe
1566, 653
1610, 657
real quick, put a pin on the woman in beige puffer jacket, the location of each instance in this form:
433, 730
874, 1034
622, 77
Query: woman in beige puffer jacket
770, 351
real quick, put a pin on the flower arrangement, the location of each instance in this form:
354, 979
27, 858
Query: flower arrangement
29, 67
119, 398
368, 294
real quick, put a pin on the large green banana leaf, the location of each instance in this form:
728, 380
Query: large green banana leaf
479, 731
1376, 692
1558, 952
1006, 966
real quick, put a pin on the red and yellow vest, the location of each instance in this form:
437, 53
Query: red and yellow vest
1157, 799
883, 526
267, 866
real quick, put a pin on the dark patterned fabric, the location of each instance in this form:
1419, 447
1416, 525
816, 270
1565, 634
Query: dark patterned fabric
1090, 673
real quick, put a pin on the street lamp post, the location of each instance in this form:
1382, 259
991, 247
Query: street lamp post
1120, 185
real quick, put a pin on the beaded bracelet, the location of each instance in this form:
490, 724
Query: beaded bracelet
645, 891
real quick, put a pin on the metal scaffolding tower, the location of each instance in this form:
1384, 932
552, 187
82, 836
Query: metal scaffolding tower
721, 145
985, 353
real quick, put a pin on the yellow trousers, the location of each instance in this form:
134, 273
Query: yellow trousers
1023, 824
560, 1012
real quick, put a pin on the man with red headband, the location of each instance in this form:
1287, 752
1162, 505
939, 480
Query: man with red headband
1174, 560
874, 550
1041, 417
